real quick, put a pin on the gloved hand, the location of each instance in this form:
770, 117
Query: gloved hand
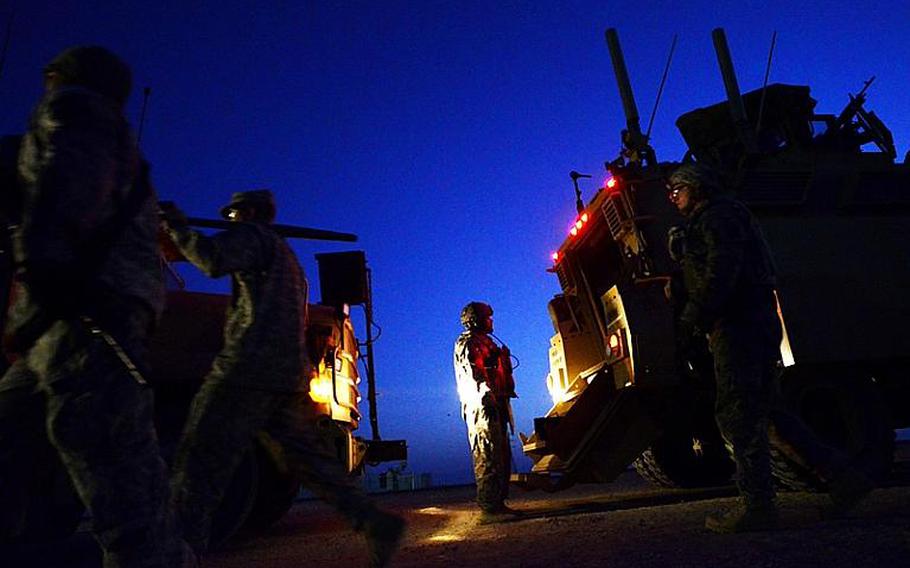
170, 214
676, 242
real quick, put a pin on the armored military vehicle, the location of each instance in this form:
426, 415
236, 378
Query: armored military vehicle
190, 334
835, 208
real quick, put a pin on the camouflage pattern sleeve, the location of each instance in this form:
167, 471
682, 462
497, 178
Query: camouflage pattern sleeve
725, 241
237, 249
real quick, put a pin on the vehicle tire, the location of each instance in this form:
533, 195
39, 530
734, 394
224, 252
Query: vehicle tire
687, 457
237, 502
846, 413
278, 488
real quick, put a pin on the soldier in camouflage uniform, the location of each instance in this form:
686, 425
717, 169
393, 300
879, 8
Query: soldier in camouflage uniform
729, 279
259, 379
484, 380
87, 293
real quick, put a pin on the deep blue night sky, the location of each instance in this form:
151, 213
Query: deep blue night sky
442, 133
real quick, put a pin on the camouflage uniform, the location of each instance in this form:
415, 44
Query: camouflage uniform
78, 166
730, 277
485, 409
258, 380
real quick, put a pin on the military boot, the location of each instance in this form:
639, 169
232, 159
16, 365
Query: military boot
846, 491
744, 518
384, 532
499, 514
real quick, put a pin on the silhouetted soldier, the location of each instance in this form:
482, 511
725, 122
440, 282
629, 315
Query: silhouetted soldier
259, 379
88, 291
729, 279
483, 375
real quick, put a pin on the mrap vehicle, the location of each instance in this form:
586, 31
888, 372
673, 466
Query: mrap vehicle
191, 333
835, 208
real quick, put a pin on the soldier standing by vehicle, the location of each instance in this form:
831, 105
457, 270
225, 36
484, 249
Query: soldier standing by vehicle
259, 379
729, 279
483, 373
87, 293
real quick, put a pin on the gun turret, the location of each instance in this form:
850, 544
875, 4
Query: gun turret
856, 126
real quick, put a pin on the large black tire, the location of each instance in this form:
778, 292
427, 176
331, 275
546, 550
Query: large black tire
847, 413
277, 490
687, 457
237, 502
172, 406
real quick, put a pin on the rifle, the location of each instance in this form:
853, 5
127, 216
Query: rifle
287, 231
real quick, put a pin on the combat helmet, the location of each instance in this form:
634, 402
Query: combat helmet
262, 199
96, 68
700, 178
473, 314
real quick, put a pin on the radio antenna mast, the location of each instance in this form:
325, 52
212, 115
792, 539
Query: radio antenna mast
146, 93
764, 87
660, 90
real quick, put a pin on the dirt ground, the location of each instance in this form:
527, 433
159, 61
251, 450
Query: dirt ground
628, 523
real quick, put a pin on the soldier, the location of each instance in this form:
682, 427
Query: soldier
729, 278
483, 374
88, 290
260, 378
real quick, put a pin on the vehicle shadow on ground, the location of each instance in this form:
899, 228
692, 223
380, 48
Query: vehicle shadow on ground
626, 501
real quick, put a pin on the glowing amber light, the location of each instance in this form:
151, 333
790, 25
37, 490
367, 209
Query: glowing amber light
321, 389
578, 224
573, 231
584, 217
555, 256
611, 183
614, 341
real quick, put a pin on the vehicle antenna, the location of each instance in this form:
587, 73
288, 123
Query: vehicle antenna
9, 33
146, 93
660, 90
764, 87
579, 204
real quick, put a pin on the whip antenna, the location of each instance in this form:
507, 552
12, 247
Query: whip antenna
146, 93
660, 90
764, 90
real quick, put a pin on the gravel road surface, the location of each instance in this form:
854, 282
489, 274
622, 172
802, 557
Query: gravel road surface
628, 523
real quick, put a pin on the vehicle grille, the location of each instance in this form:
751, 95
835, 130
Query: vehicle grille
564, 281
614, 213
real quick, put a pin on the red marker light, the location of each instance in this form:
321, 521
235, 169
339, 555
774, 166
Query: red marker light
573, 231
578, 224
555, 256
611, 183
584, 217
